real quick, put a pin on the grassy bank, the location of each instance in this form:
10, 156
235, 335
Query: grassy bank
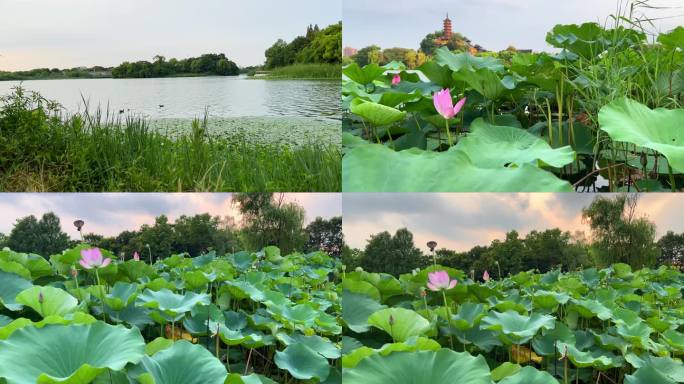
41, 150
307, 71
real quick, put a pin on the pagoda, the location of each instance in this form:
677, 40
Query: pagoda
446, 33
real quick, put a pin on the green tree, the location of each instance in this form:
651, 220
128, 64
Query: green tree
671, 249
619, 236
269, 220
325, 235
43, 237
368, 55
391, 254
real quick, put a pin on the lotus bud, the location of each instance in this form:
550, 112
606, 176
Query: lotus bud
344, 267
423, 293
358, 269
41, 298
74, 272
391, 320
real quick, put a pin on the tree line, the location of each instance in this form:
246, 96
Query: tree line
316, 46
209, 64
618, 235
267, 220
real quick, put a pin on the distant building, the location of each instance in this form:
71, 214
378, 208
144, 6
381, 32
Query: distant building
349, 52
447, 32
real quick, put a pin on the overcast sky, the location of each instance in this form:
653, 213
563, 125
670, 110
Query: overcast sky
111, 213
494, 24
73, 33
462, 220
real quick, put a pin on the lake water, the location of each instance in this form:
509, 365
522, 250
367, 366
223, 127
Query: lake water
187, 97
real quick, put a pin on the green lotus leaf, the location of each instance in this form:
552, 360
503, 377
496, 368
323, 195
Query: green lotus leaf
648, 375
376, 168
197, 324
400, 323
47, 300
22, 322
595, 357
468, 316
585, 40
376, 114
424, 367
673, 39
361, 287
519, 328
659, 129
637, 333
493, 146
465, 61
195, 279
121, 295
68, 354
325, 347
10, 266
529, 375
10, 285
235, 378
548, 299
172, 303
363, 75
486, 82
413, 344
674, 339
158, 344
303, 362
183, 363
356, 309
484, 339
504, 370
591, 308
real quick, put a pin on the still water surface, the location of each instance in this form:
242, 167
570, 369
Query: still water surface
187, 97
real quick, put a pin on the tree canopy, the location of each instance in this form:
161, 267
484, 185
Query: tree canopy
207, 64
317, 46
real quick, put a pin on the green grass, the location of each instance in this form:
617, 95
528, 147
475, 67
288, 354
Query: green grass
307, 71
41, 150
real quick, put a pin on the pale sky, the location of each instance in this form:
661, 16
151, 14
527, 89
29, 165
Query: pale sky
494, 24
462, 220
111, 213
74, 33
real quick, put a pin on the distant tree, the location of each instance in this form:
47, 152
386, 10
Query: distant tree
391, 254
351, 257
43, 237
325, 235
457, 42
671, 249
368, 55
619, 236
3, 240
269, 220
395, 54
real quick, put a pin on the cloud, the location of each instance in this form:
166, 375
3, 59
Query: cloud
463, 220
111, 213
72, 33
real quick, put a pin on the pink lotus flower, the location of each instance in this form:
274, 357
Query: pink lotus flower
396, 79
440, 281
485, 276
136, 256
92, 258
445, 105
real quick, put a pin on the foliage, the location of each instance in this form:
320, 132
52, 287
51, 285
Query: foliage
392, 254
207, 64
236, 318
270, 221
44, 236
41, 150
585, 326
318, 46
619, 236
96, 72
671, 249
325, 235
456, 42
609, 102
306, 71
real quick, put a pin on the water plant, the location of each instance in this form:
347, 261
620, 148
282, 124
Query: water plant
246, 317
610, 325
600, 114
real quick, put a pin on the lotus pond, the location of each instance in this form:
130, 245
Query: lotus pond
603, 114
83, 316
293, 132
441, 326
